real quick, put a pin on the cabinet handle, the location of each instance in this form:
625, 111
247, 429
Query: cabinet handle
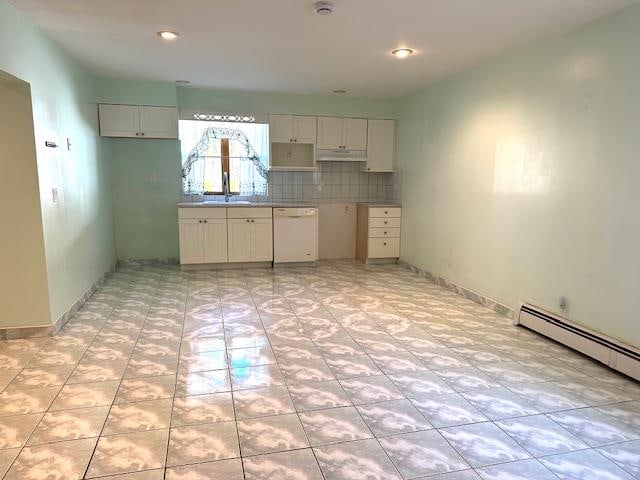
385, 233
386, 212
385, 222
204, 221
137, 134
247, 220
295, 140
252, 221
199, 221
142, 134
291, 140
385, 244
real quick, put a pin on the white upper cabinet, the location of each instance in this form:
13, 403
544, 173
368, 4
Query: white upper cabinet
119, 120
292, 129
381, 146
158, 122
342, 133
354, 133
329, 132
304, 128
134, 121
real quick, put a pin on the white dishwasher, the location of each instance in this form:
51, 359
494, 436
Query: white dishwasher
295, 235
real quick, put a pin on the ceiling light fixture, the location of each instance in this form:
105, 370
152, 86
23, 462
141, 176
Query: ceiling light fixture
168, 35
323, 8
182, 83
402, 52
340, 91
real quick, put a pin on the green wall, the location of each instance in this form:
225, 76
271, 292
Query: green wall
146, 189
78, 231
227, 101
521, 176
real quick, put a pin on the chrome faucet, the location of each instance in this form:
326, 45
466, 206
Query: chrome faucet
225, 186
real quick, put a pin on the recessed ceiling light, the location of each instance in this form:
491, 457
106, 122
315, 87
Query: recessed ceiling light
182, 83
168, 35
340, 91
402, 52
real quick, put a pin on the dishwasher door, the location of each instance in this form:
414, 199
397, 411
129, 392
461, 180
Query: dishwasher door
295, 235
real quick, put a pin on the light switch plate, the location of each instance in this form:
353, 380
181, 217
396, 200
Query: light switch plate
55, 195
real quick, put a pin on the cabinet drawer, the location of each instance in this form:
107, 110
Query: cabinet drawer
384, 247
249, 212
382, 212
202, 212
384, 222
384, 233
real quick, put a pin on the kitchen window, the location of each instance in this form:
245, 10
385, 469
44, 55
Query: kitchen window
211, 149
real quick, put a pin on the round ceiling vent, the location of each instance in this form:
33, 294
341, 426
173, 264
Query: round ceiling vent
323, 8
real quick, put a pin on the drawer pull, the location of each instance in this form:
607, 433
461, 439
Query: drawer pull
385, 244
204, 221
385, 233
386, 212
385, 222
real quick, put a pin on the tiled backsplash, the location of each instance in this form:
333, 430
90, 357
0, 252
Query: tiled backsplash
334, 182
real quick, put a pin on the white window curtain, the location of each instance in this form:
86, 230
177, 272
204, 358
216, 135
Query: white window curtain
195, 136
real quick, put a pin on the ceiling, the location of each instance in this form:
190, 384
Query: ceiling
284, 46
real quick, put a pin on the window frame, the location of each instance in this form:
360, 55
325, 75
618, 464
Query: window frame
224, 156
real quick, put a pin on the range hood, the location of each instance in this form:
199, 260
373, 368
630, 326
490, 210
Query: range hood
339, 155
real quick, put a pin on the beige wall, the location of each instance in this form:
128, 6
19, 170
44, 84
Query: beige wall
24, 295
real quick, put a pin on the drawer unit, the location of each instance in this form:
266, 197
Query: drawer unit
249, 212
384, 232
384, 248
201, 213
385, 222
385, 212
378, 232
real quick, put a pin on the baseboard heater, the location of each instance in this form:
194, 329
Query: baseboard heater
611, 352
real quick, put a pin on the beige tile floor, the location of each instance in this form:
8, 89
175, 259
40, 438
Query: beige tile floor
342, 371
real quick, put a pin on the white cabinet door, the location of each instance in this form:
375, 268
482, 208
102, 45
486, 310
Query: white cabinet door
158, 122
215, 240
304, 128
281, 128
191, 241
119, 120
329, 133
381, 145
239, 233
262, 239
354, 133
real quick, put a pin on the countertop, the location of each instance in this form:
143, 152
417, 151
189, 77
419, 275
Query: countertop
380, 204
241, 205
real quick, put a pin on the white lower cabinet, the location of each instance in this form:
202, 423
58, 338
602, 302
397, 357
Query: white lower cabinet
239, 230
203, 236
262, 239
225, 235
378, 232
250, 234
191, 240
215, 241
